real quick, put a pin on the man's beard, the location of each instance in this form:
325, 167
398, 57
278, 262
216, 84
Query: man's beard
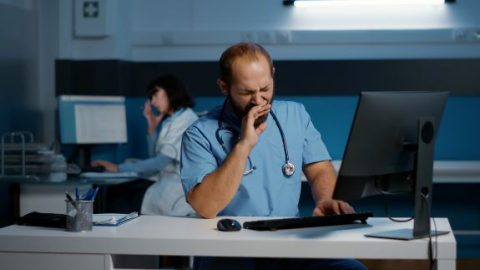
241, 113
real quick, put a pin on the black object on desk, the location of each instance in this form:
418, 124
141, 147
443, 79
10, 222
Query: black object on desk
304, 222
14, 184
92, 169
43, 220
228, 225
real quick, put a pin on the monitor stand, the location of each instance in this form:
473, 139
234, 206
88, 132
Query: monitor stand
404, 234
84, 154
423, 169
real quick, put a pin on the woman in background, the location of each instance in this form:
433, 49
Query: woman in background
164, 193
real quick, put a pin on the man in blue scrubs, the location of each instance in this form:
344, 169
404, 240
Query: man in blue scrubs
246, 158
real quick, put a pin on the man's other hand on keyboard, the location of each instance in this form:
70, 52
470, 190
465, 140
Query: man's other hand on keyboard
331, 206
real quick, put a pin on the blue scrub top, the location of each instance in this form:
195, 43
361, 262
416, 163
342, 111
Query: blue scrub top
266, 191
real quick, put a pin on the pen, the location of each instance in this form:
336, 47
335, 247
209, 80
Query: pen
69, 198
92, 197
87, 195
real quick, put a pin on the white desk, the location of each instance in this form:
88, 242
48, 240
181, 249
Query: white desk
38, 194
23, 247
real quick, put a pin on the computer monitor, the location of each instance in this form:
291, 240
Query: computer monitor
92, 119
390, 150
89, 120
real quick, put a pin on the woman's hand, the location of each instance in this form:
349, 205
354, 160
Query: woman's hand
111, 167
152, 119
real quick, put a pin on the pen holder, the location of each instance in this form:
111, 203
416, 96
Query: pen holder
79, 215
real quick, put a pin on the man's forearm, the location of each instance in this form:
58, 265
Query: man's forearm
322, 181
323, 189
218, 188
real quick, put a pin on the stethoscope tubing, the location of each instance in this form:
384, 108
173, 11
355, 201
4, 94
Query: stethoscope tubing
288, 168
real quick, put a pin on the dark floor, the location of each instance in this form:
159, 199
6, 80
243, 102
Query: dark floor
462, 264
179, 262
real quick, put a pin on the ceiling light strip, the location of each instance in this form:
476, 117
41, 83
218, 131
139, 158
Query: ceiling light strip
310, 3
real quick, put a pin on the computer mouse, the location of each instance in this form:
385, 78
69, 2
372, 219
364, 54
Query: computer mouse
228, 225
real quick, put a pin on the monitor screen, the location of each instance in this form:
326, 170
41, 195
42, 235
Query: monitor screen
390, 151
92, 119
377, 156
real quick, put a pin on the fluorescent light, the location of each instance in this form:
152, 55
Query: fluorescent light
310, 3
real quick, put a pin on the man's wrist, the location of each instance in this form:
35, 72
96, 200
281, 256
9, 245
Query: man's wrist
243, 146
322, 200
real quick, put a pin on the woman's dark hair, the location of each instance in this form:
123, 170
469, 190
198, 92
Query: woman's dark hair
177, 92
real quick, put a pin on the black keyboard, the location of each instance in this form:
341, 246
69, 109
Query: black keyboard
304, 222
98, 169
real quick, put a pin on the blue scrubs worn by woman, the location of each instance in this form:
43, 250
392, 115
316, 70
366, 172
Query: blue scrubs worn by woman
246, 158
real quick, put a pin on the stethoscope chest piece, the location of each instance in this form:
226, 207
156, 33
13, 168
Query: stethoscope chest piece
288, 169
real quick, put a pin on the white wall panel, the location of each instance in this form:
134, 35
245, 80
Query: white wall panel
189, 30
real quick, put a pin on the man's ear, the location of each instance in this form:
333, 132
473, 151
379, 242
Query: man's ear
223, 86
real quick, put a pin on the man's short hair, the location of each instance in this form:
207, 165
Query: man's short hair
238, 50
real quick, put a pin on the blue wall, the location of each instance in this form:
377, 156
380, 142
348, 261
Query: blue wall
458, 138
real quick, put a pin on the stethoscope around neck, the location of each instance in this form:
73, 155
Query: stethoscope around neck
288, 168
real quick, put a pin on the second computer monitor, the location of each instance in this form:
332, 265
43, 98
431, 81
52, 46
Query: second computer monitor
381, 144
390, 150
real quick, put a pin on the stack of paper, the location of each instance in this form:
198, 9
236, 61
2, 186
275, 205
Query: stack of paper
109, 175
112, 219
